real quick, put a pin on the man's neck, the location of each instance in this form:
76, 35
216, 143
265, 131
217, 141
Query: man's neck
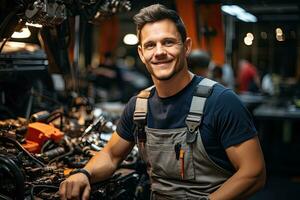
167, 88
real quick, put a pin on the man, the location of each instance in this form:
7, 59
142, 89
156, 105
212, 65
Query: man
220, 159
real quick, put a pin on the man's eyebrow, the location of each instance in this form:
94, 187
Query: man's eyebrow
147, 42
170, 38
163, 39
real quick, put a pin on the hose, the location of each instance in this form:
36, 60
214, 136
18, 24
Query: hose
18, 176
21, 148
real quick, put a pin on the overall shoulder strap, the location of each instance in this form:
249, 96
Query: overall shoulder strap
141, 106
140, 114
194, 117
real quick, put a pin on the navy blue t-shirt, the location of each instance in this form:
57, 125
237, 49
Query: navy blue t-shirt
225, 122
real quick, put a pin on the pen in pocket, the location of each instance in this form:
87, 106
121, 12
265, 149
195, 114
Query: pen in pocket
181, 156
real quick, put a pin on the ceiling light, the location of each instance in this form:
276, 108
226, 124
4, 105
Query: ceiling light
24, 33
280, 38
246, 17
232, 9
279, 35
239, 12
247, 41
33, 25
250, 36
130, 39
279, 31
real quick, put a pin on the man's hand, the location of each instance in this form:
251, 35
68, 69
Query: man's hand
101, 166
76, 186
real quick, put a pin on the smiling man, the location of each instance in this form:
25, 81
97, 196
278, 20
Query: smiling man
197, 138
161, 49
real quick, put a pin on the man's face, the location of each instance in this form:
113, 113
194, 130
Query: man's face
162, 50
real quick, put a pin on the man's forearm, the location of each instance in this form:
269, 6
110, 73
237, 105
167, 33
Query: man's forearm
239, 186
101, 167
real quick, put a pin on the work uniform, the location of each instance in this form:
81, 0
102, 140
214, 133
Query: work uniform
178, 163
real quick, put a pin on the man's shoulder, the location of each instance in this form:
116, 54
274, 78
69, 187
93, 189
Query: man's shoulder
224, 98
219, 94
130, 105
132, 101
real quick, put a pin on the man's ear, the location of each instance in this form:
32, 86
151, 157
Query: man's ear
140, 51
188, 46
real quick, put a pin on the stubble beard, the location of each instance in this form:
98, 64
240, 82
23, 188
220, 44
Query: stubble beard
175, 71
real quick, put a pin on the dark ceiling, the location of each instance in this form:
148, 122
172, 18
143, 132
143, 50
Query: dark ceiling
271, 11
267, 10
264, 10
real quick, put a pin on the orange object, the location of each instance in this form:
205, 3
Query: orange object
190, 20
211, 17
31, 146
67, 171
38, 133
181, 157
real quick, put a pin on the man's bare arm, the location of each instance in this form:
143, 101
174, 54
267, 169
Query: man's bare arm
105, 162
250, 175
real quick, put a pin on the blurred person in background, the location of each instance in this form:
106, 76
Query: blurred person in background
217, 75
228, 76
198, 62
248, 78
108, 79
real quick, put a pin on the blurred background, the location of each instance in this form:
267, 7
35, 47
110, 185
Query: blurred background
77, 61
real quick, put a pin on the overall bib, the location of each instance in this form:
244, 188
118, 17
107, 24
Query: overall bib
177, 163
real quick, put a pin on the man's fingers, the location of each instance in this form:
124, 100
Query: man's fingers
86, 193
75, 187
69, 191
73, 191
62, 191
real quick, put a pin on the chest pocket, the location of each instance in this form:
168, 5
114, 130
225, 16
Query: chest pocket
168, 154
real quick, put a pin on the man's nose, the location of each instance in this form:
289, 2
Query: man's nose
160, 50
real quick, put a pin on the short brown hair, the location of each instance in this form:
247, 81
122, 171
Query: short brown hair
157, 12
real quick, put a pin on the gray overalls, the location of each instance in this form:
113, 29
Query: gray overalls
177, 162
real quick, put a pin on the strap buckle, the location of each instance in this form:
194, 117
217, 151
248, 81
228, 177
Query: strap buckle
140, 133
203, 91
192, 122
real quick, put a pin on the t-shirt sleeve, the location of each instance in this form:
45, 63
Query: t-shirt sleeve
125, 125
234, 123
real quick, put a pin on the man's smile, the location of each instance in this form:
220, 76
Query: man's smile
162, 62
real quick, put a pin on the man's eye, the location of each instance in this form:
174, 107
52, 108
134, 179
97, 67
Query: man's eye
169, 43
149, 46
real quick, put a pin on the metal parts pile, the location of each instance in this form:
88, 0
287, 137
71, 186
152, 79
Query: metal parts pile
54, 12
37, 154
